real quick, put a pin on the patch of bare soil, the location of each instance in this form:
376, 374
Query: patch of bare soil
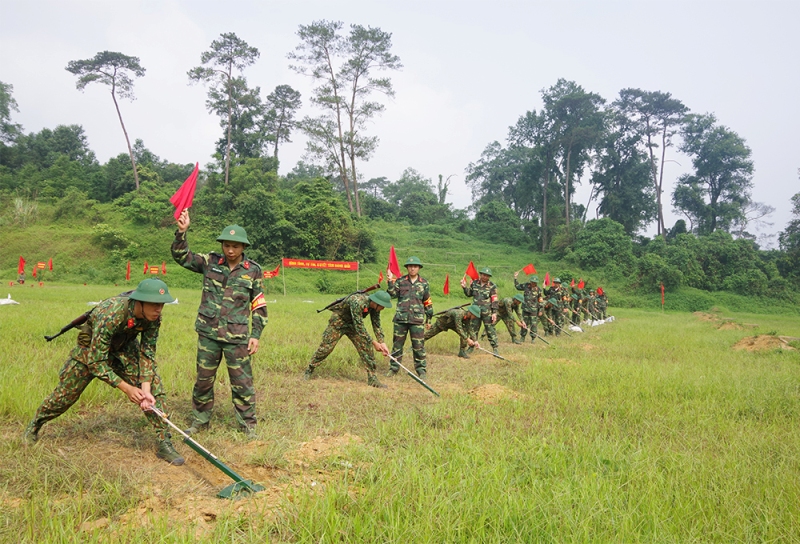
764, 342
492, 393
730, 326
321, 447
703, 316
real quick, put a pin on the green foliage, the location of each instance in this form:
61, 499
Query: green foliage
655, 271
496, 222
603, 244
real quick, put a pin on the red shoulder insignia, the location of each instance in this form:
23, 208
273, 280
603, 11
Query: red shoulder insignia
221, 260
246, 264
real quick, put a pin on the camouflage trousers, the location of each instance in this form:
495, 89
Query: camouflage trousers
437, 327
417, 334
486, 320
575, 314
75, 376
240, 374
531, 321
511, 325
333, 333
557, 315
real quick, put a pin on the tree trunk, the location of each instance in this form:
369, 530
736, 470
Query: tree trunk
544, 201
127, 141
662, 226
230, 108
566, 194
343, 163
660, 218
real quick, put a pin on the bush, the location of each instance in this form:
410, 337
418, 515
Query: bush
603, 243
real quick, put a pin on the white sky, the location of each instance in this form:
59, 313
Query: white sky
471, 69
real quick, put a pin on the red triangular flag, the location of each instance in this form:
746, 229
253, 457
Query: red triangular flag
164, 268
530, 269
472, 272
572, 283
34, 271
50, 264
547, 279
128, 272
21, 267
182, 198
662, 292
380, 276
145, 268
447, 284
394, 267
599, 290
276, 271
581, 284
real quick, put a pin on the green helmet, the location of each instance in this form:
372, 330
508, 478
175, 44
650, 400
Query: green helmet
519, 297
381, 298
556, 280
534, 279
413, 260
152, 290
474, 310
233, 233
552, 301
485, 270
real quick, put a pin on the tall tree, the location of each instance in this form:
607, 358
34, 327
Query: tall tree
241, 112
115, 70
789, 241
343, 68
279, 120
578, 123
716, 194
228, 53
8, 130
657, 115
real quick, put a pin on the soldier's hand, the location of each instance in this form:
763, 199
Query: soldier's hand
252, 346
427, 326
494, 319
516, 274
134, 394
148, 402
381, 347
390, 276
464, 282
183, 220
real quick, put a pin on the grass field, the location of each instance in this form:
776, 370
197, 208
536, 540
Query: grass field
648, 429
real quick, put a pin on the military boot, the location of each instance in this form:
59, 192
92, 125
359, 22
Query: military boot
372, 380
31, 434
166, 451
196, 427
463, 354
421, 374
470, 350
307, 374
516, 340
392, 372
495, 351
249, 431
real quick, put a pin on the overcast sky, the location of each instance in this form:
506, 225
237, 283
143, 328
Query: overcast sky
471, 69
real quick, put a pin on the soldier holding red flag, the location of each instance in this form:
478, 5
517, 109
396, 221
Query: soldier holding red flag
414, 308
484, 295
530, 306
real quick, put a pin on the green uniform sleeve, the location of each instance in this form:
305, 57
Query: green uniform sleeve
428, 303
493, 298
196, 262
375, 316
392, 289
357, 314
258, 307
147, 353
460, 325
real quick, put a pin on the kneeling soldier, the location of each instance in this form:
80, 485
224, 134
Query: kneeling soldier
458, 320
108, 349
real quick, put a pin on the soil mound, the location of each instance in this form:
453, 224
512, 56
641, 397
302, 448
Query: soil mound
492, 393
764, 342
321, 447
730, 326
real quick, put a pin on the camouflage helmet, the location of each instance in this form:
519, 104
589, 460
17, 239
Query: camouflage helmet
233, 233
475, 310
381, 298
485, 270
413, 260
152, 290
518, 297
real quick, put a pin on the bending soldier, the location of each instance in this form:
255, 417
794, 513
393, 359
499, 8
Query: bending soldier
458, 320
506, 310
117, 344
484, 295
414, 312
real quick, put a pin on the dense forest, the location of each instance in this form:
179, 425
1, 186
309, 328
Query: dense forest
523, 188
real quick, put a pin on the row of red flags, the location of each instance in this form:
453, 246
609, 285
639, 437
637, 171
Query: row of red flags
39, 266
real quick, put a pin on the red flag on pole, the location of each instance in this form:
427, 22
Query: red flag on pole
446, 284
50, 264
472, 272
581, 284
21, 267
164, 268
145, 268
600, 291
394, 267
530, 269
572, 283
380, 276
128, 272
268, 274
662, 294
183, 197
34, 271
547, 279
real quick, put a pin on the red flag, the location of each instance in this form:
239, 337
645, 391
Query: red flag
272, 273
530, 269
394, 267
599, 290
128, 272
50, 264
34, 271
380, 276
145, 268
21, 267
547, 279
472, 272
572, 283
164, 268
182, 198
662, 294
581, 284
447, 284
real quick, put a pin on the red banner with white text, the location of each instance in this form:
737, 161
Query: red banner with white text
320, 265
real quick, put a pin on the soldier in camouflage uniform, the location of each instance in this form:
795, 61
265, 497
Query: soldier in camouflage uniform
414, 312
556, 311
347, 319
458, 320
232, 293
601, 303
506, 310
116, 344
530, 306
484, 295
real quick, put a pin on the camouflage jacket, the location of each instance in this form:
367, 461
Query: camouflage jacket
110, 333
484, 296
414, 304
454, 320
351, 313
558, 294
230, 296
506, 308
532, 293
602, 301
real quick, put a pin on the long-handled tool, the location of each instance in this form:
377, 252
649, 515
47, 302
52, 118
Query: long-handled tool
493, 354
416, 378
559, 328
236, 490
542, 339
